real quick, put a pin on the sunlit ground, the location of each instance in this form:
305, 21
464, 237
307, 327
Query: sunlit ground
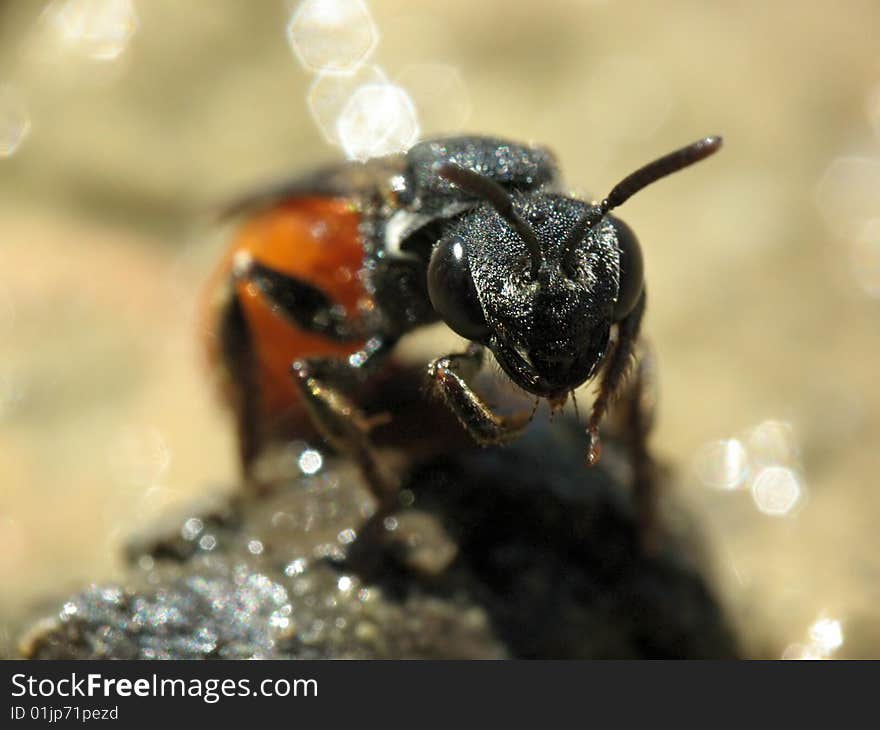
122, 122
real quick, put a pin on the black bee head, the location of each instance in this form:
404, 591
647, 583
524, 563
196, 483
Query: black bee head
541, 278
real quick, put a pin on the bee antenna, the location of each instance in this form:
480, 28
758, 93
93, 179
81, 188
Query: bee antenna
632, 183
487, 189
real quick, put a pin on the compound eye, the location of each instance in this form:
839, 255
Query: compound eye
631, 269
452, 291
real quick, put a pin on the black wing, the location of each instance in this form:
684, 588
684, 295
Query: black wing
360, 181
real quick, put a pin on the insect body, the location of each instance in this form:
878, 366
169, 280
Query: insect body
326, 275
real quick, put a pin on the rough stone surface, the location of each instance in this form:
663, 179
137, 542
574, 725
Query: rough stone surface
514, 552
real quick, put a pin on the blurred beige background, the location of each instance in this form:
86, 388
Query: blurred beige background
763, 264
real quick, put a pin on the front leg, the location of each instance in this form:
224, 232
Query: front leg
614, 373
637, 395
449, 375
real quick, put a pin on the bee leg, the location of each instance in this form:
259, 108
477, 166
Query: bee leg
237, 352
448, 377
617, 366
321, 383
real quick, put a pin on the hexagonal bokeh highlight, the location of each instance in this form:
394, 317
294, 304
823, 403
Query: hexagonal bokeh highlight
826, 634
332, 35
330, 92
100, 29
773, 442
378, 119
722, 464
776, 490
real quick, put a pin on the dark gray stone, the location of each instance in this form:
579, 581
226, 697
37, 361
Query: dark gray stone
504, 552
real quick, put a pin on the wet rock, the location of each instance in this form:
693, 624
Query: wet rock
505, 552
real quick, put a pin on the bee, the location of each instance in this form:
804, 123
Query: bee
327, 273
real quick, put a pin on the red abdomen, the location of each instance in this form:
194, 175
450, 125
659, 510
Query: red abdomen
315, 240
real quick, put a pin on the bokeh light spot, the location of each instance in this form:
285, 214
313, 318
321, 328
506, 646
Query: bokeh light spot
310, 461
825, 638
191, 528
772, 442
379, 119
722, 464
827, 635
296, 567
776, 490
99, 29
330, 92
332, 35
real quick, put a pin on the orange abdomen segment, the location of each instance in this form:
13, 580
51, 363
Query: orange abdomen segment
317, 241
